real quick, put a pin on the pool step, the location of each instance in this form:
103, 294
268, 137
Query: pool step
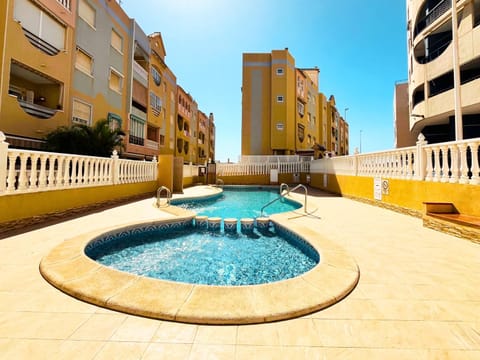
230, 225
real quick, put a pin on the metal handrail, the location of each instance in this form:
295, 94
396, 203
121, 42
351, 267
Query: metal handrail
220, 183
282, 186
168, 197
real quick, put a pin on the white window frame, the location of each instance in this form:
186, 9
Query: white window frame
81, 120
92, 62
120, 82
155, 102
121, 41
86, 3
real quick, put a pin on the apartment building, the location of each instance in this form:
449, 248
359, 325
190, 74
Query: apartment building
36, 57
283, 112
101, 64
66, 62
444, 69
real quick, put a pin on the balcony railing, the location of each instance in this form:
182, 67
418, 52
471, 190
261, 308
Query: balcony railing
39, 111
140, 72
40, 43
65, 4
441, 8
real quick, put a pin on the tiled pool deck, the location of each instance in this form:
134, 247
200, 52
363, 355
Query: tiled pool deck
418, 298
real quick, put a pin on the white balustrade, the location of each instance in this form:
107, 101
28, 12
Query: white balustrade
29, 171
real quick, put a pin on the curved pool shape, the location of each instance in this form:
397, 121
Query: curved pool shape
70, 270
239, 202
204, 257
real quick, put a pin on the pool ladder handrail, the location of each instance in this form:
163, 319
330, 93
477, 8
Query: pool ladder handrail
168, 195
283, 187
220, 183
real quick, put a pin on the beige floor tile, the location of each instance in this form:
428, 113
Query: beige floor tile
220, 335
40, 325
299, 332
171, 332
453, 355
262, 334
207, 352
247, 352
99, 327
136, 329
157, 351
122, 351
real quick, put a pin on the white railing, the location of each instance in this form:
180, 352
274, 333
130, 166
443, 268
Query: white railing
65, 3
190, 170
24, 171
261, 168
453, 162
260, 159
140, 71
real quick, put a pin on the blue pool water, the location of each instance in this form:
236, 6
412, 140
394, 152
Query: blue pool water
213, 258
242, 202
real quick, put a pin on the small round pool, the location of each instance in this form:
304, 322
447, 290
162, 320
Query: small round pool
195, 256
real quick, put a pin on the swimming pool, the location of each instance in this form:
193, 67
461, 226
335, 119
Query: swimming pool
239, 202
194, 256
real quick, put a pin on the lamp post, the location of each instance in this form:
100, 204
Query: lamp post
345, 117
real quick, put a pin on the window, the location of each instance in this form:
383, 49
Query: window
152, 133
82, 112
157, 78
301, 108
86, 12
114, 121
155, 103
162, 140
116, 80
40, 25
83, 61
280, 98
137, 130
116, 41
301, 132
280, 71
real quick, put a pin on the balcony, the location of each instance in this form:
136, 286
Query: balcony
437, 10
36, 94
140, 74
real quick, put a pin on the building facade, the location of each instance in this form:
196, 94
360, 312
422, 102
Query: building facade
444, 69
36, 68
67, 62
283, 112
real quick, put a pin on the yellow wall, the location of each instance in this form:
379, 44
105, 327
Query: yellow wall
21, 206
407, 194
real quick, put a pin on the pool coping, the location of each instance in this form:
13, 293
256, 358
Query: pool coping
68, 268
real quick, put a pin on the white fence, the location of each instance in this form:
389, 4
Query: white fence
262, 165
29, 171
453, 162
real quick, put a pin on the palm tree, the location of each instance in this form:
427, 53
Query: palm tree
99, 140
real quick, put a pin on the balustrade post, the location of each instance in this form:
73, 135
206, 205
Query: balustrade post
115, 168
420, 158
3, 162
436, 167
155, 168
463, 164
42, 177
355, 162
475, 179
455, 168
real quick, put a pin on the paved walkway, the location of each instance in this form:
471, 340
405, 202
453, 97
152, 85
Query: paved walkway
418, 298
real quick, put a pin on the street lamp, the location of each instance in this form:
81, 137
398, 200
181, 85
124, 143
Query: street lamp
345, 117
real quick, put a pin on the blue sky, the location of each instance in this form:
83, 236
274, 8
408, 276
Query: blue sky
360, 49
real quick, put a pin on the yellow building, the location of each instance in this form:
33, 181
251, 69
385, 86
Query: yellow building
163, 85
444, 69
36, 68
282, 110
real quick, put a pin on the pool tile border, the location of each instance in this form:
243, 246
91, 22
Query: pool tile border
68, 268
